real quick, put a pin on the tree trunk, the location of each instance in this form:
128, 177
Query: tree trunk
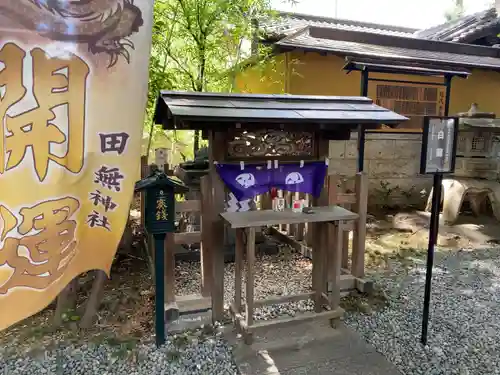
66, 301
196, 144
200, 83
94, 300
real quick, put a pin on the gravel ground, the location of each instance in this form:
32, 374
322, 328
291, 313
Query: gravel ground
275, 275
464, 325
188, 354
462, 333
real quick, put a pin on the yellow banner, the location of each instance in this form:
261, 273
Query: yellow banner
73, 88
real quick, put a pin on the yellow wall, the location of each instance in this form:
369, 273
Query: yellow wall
314, 74
266, 78
324, 75
482, 87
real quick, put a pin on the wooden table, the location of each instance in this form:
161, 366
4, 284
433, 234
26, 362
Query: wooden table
328, 222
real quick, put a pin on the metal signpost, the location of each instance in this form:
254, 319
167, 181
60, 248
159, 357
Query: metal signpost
160, 220
439, 146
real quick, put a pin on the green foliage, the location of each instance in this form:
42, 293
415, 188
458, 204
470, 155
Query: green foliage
385, 193
198, 45
456, 12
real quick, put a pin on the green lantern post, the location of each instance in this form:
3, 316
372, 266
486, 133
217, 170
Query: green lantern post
160, 193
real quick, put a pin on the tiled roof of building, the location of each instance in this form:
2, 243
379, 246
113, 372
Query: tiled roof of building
285, 24
466, 29
194, 110
393, 48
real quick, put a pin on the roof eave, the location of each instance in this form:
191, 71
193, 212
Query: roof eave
308, 17
265, 120
380, 66
287, 47
194, 110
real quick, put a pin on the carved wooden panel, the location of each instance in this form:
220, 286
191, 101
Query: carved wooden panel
270, 143
411, 100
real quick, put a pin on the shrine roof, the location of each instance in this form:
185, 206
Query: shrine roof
465, 29
283, 24
190, 110
391, 48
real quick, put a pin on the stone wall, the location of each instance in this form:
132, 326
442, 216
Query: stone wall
478, 155
392, 162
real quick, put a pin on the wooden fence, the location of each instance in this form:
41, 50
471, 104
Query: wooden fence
172, 240
298, 236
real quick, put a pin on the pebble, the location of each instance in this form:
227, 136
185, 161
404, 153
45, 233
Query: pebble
464, 310
275, 275
463, 327
210, 356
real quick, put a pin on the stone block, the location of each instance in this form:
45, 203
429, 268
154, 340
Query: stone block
351, 150
171, 312
397, 168
408, 149
336, 150
342, 167
404, 191
476, 168
393, 136
192, 302
459, 165
379, 149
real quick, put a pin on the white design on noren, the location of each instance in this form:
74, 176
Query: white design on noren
246, 180
294, 178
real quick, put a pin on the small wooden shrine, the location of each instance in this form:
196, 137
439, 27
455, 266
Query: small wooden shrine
243, 128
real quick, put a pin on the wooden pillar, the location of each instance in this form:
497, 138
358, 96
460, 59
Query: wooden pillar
249, 297
144, 173
309, 233
345, 243
334, 262
319, 234
318, 265
359, 236
288, 203
332, 242
238, 267
217, 152
206, 251
294, 227
299, 235
284, 194
169, 268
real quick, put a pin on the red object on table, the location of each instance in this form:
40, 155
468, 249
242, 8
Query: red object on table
274, 193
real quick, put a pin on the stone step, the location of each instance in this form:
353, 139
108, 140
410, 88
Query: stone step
309, 348
188, 312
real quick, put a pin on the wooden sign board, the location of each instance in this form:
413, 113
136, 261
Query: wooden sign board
439, 145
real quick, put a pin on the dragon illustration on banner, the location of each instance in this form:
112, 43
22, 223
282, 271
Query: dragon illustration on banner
104, 25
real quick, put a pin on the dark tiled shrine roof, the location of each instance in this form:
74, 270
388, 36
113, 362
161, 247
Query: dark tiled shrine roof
286, 23
189, 110
467, 29
392, 48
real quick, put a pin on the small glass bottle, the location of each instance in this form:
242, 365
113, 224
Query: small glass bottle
297, 205
279, 202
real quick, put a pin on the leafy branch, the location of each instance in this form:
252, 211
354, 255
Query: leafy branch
200, 45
